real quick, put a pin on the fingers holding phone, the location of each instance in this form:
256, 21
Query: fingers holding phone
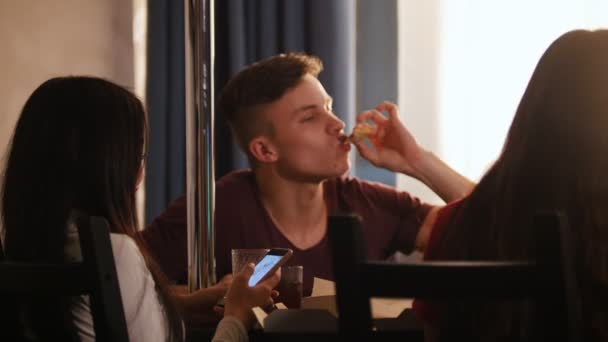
253, 286
270, 263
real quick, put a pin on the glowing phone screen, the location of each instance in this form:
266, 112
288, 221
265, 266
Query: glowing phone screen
262, 267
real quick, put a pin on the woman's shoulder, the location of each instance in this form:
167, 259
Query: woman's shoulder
124, 247
131, 267
445, 216
143, 310
447, 212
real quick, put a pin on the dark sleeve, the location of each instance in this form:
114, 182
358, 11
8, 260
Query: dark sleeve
446, 216
224, 239
431, 311
167, 240
394, 217
229, 210
412, 214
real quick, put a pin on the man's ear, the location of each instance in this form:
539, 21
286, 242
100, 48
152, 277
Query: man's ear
263, 150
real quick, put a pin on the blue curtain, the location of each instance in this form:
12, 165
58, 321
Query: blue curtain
246, 31
165, 166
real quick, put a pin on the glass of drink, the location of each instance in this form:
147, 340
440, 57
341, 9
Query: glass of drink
290, 287
242, 257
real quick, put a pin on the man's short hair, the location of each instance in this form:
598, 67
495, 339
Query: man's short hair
259, 84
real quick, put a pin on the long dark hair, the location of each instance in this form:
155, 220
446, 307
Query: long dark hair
555, 158
77, 147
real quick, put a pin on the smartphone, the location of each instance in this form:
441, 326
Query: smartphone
266, 267
269, 264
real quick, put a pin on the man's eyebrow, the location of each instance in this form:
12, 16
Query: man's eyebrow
328, 100
304, 108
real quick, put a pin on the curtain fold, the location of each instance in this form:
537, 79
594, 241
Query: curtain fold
165, 93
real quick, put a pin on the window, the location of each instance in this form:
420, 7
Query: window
464, 65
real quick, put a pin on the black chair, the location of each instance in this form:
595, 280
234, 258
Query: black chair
94, 276
549, 282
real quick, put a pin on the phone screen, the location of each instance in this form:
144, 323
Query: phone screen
263, 267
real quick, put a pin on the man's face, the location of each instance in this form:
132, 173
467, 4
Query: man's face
306, 133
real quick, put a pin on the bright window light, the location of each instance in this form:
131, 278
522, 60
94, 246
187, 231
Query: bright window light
466, 66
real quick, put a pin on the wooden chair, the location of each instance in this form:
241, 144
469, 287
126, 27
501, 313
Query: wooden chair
549, 281
94, 276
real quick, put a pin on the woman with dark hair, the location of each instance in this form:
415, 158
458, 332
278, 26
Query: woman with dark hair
555, 158
79, 148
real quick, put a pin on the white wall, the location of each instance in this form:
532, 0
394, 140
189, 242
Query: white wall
43, 39
418, 79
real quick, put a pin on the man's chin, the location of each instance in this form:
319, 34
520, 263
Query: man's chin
323, 176
341, 171
320, 174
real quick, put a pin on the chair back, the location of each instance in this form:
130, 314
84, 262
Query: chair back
95, 276
548, 281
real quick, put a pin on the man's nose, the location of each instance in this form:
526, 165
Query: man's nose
336, 125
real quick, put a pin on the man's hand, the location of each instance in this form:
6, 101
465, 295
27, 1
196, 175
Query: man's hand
394, 147
178, 290
197, 308
226, 280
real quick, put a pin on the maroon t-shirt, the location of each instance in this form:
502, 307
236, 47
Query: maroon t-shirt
391, 220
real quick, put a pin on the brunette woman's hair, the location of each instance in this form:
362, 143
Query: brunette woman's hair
555, 158
78, 147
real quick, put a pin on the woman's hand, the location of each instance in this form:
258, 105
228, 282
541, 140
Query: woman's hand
241, 298
394, 148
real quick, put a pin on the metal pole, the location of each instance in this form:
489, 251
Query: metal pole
200, 179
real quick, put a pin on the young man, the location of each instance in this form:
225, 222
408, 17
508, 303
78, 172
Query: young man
282, 118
